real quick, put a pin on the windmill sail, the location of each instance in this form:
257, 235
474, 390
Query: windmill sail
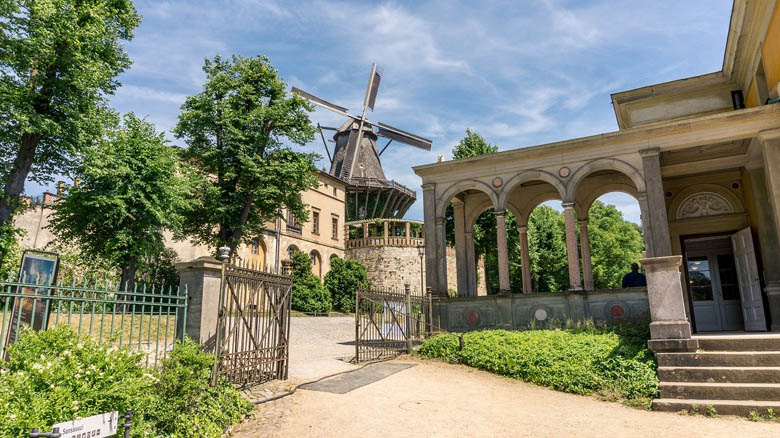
321, 102
373, 87
403, 136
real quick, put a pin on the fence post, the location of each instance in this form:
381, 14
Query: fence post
200, 279
407, 322
429, 314
357, 326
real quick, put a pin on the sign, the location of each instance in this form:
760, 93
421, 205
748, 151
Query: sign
37, 269
393, 314
100, 425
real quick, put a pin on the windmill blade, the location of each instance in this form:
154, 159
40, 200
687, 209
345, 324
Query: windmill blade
373, 87
321, 102
403, 136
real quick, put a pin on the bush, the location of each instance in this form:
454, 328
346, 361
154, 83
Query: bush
308, 293
343, 280
606, 360
56, 375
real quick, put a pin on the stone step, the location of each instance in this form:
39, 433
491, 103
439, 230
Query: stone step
739, 343
722, 407
720, 374
720, 359
720, 391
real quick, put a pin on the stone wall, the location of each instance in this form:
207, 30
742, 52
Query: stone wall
394, 266
518, 311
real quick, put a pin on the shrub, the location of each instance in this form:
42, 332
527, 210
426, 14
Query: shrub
56, 375
308, 293
611, 360
343, 280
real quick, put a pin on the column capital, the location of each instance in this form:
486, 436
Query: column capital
468, 233
567, 205
457, 202
441, 221
522, 229
428, 186
499, 212
650, 152
583, 222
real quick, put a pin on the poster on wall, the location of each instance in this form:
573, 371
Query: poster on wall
37, 269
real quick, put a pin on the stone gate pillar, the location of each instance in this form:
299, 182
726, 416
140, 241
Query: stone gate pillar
202, 278
669, 328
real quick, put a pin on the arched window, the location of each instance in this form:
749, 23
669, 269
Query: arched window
291, 250
316, 263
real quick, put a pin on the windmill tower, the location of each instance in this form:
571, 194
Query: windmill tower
356, 159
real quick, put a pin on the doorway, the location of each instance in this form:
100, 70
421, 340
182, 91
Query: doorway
713, 285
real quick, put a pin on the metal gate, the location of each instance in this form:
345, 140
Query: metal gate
389, 322
253, 326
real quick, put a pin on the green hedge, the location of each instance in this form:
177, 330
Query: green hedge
612, 361
343, 280
308, 293
56, 375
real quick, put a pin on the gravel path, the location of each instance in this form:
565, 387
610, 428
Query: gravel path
319, 345
438, 399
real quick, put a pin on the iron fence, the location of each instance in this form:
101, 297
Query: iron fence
147, 318
389, 322
253, 326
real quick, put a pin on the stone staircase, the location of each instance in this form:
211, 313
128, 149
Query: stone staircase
734, 374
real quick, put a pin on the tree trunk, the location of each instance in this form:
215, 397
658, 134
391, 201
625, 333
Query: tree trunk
128, 274
18, 175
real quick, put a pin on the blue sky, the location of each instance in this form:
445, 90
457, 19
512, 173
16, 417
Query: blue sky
518, 72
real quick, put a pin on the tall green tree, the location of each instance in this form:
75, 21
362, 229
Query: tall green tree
237, 130
615, 243
472, 145
133, 187
547, 250
343, 280
308, 293
58, 61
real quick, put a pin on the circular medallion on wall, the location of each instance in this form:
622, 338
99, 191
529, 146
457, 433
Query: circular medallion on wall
541, 313
472, 317
497, 182
617, 310
564, 172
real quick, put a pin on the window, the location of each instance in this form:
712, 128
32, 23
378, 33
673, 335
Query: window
255, 247
292, 222
291, 250
335, 191
335, 232
315, 222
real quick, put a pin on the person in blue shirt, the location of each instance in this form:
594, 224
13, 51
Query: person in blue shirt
634, 278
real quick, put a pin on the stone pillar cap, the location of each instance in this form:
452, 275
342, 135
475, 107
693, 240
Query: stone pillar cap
205, 262
654, 263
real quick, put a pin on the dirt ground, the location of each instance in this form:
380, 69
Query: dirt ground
438, 399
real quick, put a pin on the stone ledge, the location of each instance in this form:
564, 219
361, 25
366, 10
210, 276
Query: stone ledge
673, 345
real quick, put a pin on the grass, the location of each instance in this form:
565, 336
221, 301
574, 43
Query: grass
612, 363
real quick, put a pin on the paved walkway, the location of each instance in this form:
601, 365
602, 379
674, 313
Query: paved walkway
441, 400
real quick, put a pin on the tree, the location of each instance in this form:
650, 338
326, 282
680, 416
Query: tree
343, 280
236, 129
614, 244
133, 187
547, 250
58, 61
472, 145
308, 294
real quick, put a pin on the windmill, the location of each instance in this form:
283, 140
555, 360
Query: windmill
355, 157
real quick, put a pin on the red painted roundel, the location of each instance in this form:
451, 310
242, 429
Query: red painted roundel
617, 311
472, 318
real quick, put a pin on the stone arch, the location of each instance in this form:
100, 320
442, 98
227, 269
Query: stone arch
534, 202
582, 206
316, 262
526, 176
290, 250
677, 201
604, 164
462, 186
477, 211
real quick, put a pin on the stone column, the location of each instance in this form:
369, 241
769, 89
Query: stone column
575, 283
441, 255
503, 254
202, 278
669, 328
587, 268
461, 258
365, 230
471, 263
659, 222
647, 233
525, 258
766, 185
429, 224
408, 233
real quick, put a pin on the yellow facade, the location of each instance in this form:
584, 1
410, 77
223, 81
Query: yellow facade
771, 51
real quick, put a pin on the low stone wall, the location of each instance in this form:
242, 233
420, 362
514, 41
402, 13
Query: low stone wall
517, 311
